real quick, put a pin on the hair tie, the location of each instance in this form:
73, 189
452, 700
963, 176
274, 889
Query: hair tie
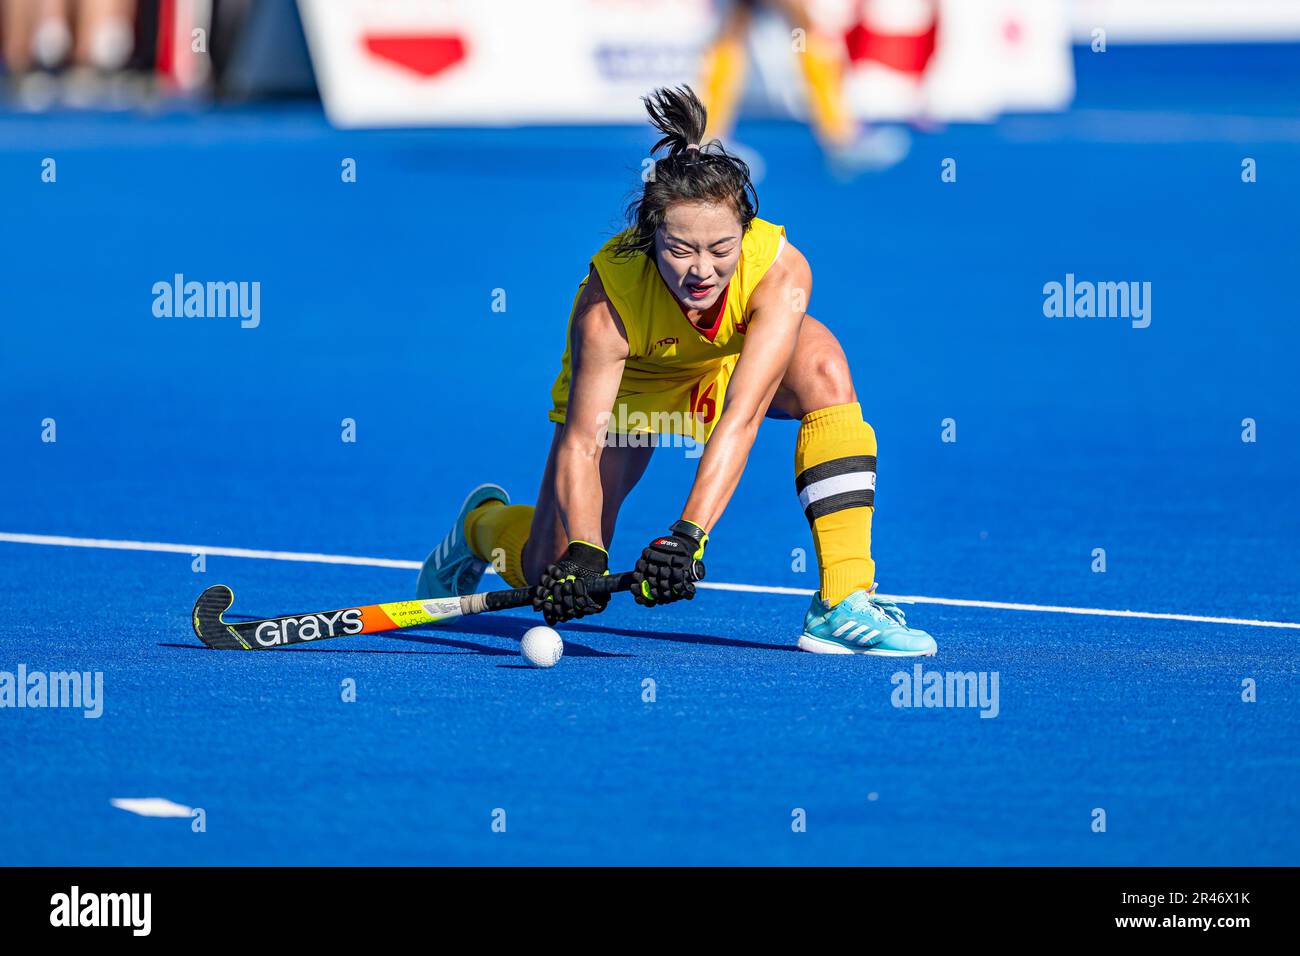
692, 146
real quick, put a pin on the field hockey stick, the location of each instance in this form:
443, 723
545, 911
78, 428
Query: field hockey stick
214, 631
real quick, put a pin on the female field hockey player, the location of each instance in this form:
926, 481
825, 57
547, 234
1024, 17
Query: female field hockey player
691, 322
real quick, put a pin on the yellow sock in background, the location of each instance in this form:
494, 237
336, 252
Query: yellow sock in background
823, 71
835, 476
722, 81
497, 533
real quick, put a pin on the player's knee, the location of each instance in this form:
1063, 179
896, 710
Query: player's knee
531, 565
537, 555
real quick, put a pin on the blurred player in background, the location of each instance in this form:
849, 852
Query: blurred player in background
119, 54
690, 322
850, 147
95, 37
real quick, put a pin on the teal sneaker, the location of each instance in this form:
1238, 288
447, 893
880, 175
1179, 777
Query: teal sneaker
874, 149
451, 568
862, 624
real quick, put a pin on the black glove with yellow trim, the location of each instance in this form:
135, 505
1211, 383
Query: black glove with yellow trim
562, 593
669, 566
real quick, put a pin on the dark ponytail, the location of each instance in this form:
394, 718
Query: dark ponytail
691, 171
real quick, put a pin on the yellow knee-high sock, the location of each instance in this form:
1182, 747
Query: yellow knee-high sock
835, 476
823, 72
497, 533
722, 80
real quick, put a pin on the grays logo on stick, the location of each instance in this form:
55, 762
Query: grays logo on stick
308, 627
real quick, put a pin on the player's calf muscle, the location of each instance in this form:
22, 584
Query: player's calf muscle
831, 381
818, 376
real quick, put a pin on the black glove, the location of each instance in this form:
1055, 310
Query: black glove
669, 566
562, 593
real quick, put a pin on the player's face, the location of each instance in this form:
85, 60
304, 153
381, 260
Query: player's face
697, 250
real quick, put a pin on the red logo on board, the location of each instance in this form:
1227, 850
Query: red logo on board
427, 55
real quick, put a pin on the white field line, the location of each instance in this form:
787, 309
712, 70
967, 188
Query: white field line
152, 806
314, 558
115, 545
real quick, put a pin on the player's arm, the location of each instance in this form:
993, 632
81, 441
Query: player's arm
597, 352
776, 312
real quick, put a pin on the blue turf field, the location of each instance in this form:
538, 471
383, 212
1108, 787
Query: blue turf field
1072, 434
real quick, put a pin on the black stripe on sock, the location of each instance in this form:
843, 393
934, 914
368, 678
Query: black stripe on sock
836, 466
862, 498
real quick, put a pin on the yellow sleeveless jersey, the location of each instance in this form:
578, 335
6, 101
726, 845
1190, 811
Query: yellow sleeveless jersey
675, 378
